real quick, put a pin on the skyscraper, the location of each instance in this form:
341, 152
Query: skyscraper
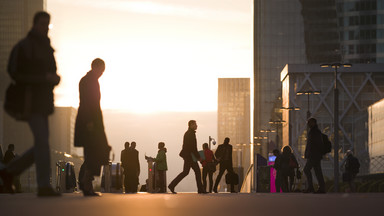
309, 32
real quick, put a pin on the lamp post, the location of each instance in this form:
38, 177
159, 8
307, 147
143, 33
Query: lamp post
277, 124
335, 66
308, 93
268, 131
289, 121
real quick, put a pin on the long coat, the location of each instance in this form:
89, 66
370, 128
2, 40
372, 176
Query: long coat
94, 141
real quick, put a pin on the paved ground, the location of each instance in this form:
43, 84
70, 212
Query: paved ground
194, 204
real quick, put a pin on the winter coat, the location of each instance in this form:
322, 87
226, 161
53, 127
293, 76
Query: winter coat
161, 160
29, 63
94, 141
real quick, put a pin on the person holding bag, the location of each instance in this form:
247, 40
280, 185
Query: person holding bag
32, 67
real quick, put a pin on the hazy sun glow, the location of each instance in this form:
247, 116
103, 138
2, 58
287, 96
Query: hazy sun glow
160, 55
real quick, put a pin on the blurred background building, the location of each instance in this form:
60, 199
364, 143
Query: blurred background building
233, 120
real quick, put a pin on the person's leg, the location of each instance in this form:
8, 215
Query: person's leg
185, 172
308, 174
160, 182
39, 126
319, 175
126, 182
285, 183
230, 170
291, 181
210, 177
196, 169
278, 181
218, 178
205, 173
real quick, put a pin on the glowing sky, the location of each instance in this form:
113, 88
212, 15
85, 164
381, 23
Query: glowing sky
161, 55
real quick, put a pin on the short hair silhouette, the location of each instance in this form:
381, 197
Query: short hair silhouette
97, 62
191, 122
226, 140
39, 15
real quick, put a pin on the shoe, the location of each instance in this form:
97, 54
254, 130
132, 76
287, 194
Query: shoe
7, 180
172, 189
215, 191
91, 193
202, 192
47, 192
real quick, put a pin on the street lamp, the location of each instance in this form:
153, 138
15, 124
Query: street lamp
211, 140
268, 131
292, 108
277, 124
309, 92
335, 66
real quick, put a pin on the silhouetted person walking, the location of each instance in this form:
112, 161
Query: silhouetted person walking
32, 67
277, 167
352, 167
124, 163
189, 148
209, 167
132, 169
288, 166
161, 167
224, 156
314, 154
9, 154
89, 128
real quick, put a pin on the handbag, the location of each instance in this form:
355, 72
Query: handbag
18, 101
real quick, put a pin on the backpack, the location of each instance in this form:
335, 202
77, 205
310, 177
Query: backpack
232, 178
327, 145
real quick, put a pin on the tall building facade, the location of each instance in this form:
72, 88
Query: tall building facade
234, 121
359, 87
309, 32
376, 137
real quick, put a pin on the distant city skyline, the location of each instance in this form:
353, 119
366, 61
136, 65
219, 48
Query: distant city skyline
160, 55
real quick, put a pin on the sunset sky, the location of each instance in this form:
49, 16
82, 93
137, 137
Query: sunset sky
163, 60
161, 55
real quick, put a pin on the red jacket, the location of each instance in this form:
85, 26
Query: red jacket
208, 157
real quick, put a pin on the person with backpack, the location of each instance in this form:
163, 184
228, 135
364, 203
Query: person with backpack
288, 166
352, 166
209, 167
314, 152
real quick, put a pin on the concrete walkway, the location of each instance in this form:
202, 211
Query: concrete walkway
185, 204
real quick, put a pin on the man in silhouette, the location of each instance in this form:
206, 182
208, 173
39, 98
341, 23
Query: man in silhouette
224, 156
189, 149
32, 66
89, 128
314, 154
131, 169
124, 163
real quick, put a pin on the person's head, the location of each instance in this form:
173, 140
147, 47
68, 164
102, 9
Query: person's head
276, 152
287, 150
226, 140
41, 23
161, 145
312, 122
11, 147
192, 125
126, 145
205, 146
98, 66
133, 144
